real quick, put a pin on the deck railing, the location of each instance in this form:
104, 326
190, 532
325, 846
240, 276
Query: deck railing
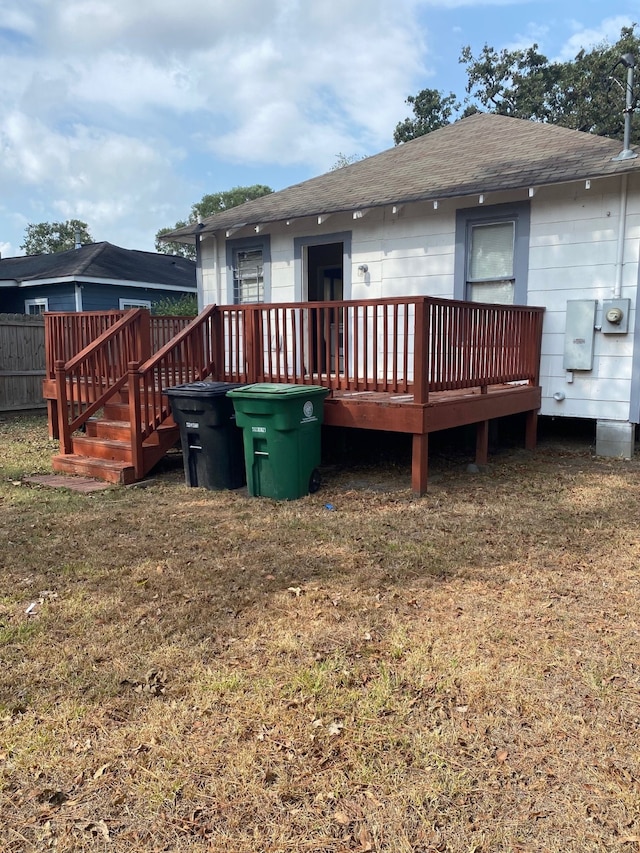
88, 356
87, 380
67, 333
401, 345
190, 356
411, 345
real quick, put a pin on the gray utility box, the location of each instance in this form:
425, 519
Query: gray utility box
615, 316
579, 334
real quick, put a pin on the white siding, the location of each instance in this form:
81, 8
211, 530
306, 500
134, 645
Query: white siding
572, 255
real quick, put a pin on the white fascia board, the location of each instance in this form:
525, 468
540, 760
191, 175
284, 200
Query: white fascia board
116, 282
9, 282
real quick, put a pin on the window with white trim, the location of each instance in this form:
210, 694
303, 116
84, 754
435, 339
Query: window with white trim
128, 304
248, 275
36, 306
490, 271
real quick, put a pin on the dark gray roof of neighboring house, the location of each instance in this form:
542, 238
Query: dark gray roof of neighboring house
102, 260
480, 154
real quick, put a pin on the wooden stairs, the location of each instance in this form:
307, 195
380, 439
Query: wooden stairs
105, 449
104, 387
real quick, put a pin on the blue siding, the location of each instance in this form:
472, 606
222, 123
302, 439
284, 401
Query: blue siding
61, 297
104, 297
95, 297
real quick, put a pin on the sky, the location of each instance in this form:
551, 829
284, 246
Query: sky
123, 113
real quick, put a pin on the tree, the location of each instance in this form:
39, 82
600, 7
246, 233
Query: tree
343, 160
586, 93
431, 109
207, 206
49, 237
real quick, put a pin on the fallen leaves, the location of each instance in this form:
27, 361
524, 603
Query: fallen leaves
95, 829
153, 684
501, 756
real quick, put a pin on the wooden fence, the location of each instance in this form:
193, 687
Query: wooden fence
22, 362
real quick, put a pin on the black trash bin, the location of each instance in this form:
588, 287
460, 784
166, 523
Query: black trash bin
212, 446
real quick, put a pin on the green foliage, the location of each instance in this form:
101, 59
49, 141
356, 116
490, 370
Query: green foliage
431, 109
179, 306
171, 247
586, 93
209, 204
49, 237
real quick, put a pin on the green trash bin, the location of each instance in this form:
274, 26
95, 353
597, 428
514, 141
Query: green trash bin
281, 431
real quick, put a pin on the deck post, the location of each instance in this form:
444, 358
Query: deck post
62, 408
133, 384
419, 463
531, 430
144, 336
253, 350
420, 366
52, 418
482, 442
217, 344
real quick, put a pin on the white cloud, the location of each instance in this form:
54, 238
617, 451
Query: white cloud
589, 37
104, 178
303, 99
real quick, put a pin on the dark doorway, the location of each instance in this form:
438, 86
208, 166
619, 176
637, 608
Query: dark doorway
324, 272
325, 284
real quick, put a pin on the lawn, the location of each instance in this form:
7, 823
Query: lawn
359, 670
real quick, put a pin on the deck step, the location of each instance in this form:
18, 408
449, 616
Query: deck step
116, 411
105, 428
102, 448
166, 435
119, 473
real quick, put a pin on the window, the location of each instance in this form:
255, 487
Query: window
128, 304
248, 276
36, 306
248, 270
492, 254
490, 274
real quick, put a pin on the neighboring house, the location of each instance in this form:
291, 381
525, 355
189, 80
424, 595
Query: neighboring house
489, 209
95, 277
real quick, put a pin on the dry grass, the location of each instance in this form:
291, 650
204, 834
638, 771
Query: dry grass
205, 671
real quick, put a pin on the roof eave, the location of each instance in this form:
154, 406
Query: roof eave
211, 227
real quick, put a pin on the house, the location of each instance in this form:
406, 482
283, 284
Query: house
489, 209
95, 277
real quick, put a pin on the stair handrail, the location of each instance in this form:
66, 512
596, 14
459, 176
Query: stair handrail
192, 355
90, 378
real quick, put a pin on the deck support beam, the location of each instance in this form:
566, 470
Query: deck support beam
52, 417
531, 430
419, 463
482, 442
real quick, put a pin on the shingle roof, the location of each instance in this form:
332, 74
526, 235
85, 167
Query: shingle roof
479, 154
102, 260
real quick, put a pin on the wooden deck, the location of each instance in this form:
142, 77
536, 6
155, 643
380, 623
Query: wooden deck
445, 410
414, 365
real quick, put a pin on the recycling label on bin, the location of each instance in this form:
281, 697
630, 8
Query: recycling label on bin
192, 425
307, 411
258, 429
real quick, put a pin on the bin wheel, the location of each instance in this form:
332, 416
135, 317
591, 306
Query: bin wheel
314, 481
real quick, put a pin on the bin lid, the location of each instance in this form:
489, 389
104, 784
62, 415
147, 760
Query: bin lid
201, 389
281, 389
